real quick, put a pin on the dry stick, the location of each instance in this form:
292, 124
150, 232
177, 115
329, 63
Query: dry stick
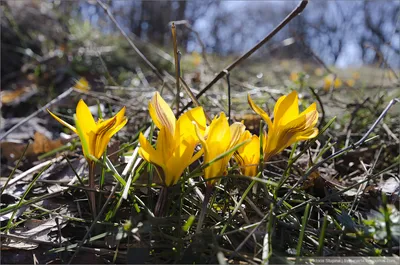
111, 16
315, 56
203, 47
60, 97
177, 70
229, 95
382, 60
321, 105
229, 68
32, 170
313, 168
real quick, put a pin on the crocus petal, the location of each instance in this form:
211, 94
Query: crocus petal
251, 157
236, 129
178, 162
165, 144
217, 143
69, 126
299, 136
85, 117
201, 138
246, 135
121, 115
286, 108
118, 126
86, 137
147, 152
184, 125
259, 111
161, 113
218, 130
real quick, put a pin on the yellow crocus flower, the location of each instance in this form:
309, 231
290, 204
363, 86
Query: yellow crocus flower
288, 126
176, 140
220, 138
96, 134
248, 155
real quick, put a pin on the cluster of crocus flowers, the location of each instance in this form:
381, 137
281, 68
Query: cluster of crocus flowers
221, 138
288, 126
176, 140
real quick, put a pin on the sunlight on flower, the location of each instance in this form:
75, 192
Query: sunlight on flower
220, 139
289, 126
248, 155
96, 134
176, 140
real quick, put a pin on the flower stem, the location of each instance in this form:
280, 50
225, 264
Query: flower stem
92, 197
203, 212
159, 210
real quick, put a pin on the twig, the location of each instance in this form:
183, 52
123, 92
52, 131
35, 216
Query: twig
315, 56
354, 113
142, 77
60, 97
141, 55
33, 169
229, 95
203, 47
177, 70
229, 68
382, 60
317, 97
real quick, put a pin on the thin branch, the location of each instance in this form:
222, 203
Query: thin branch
60, 97
203, 47
177, 68
229, 68
111, 16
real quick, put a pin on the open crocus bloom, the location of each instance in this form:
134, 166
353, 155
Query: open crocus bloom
288, 126
248, 155
176, 140
220, 139
96, 134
